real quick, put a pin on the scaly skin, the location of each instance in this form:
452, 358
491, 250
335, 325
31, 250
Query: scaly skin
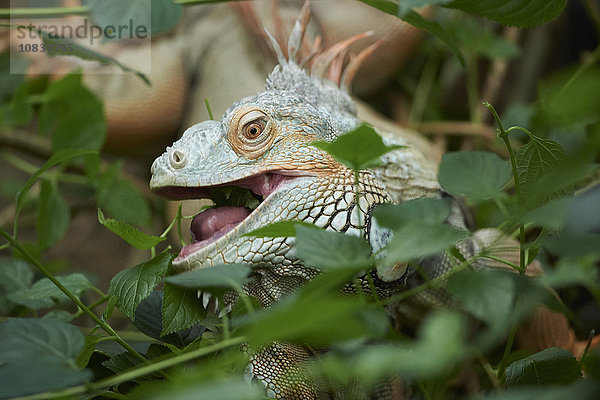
262, 144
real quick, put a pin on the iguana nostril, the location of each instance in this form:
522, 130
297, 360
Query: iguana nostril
177, 159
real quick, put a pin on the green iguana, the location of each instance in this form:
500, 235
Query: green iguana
262, 144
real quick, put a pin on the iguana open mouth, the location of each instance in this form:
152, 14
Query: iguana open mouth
229, 211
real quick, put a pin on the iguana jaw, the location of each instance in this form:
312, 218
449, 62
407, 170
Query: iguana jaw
217, 227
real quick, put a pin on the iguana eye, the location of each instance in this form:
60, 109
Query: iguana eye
251, 132
252, 129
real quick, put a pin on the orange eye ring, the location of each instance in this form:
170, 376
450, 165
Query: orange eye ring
251, 132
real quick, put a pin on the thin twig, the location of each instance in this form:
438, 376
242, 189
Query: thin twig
58, 12
34, 261
464, 128
135, 372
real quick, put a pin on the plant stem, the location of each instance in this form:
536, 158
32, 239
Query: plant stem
373, 289
107, 328
509, 344
440, 280
589, 61
136, 372
502, 208
179, 231
57, 12
423, 90
31, 169
473, 89
423, 390
491, 374
226, 330
91, 306
501, 260
587, 347
210, 114
357, 199
42, 12
503, 134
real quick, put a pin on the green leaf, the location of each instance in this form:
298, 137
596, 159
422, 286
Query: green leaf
57, 158
317, 315
331, 250
552, 214
73, 114
427, 211
591, 363
487, 294
129, 233
44, 290
584, 389
12, 73
415, 240
59, 315
521, 13
84, 356
110, 307
21, 110
279, 229
148, 319
31, 376
405, 6
440, 346
480, 38
227, 276
568, 97
567, 273
38, 355
357, 149
15, 274
535, 159
61, 46
121, 362
573, 244
583, 214
133, 285
418, 21
120, 199
155, 16
476, 174
231, 389
438, 350
181, 309
54, 215
552, 366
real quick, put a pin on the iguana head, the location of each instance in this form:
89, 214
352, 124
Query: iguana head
262, 143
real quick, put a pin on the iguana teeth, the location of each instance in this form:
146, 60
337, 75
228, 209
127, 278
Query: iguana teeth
225, 310
205, 299
216, 300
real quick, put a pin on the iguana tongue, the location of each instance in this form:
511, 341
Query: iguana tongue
215, 222
210, 225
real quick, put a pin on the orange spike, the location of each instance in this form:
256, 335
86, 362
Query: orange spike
314, 50
295, 41
334, 73
323, 60
355, 63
